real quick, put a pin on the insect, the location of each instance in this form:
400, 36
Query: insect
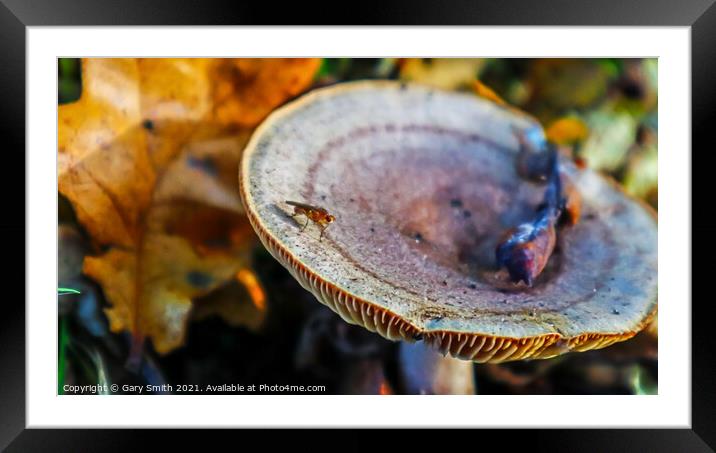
318, 215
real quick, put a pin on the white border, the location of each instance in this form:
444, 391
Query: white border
671, 408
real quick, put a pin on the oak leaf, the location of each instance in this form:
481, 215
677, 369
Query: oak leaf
148, 158
248, 89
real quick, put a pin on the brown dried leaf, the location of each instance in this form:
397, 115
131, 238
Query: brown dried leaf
148, 159
239, 302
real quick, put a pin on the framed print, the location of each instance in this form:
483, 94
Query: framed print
402, 225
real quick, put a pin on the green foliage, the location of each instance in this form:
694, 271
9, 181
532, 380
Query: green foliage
62, 354
69, 85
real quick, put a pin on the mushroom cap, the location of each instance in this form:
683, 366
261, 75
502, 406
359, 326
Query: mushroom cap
422, 184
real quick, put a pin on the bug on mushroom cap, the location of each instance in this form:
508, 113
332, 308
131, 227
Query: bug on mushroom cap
317, 214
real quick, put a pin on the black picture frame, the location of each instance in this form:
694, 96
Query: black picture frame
16, 15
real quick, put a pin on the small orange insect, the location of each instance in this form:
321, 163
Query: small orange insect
318, 215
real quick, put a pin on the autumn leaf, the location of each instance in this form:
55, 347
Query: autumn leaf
240, 302
185, 249
91, 133
148, 158
567, 130
486, 92
248, 89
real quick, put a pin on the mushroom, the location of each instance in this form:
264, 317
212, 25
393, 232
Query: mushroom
424, 371
422, 183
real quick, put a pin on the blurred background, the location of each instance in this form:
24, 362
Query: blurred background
247, 321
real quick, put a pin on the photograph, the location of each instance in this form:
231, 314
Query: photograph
244, 217
357, 226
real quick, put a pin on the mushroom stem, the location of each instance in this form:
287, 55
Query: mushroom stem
365, 377
425, 371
